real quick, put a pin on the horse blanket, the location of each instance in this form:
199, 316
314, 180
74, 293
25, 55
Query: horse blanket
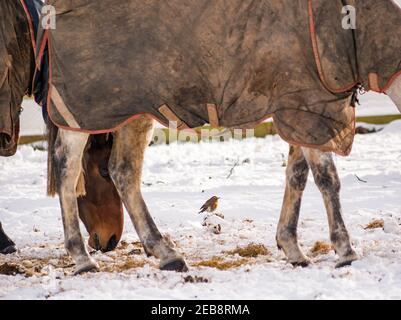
15, 69
231, 63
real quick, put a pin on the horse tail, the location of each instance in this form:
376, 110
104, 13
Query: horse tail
52, 131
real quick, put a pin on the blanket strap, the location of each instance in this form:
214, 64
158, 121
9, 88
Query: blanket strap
374, 82
172, 117
62, 109
213, 115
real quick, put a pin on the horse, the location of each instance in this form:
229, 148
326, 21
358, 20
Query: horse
228, 63
100, 208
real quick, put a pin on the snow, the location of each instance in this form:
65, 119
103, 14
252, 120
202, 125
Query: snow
393, 127
31, 119
373, 104
177, 181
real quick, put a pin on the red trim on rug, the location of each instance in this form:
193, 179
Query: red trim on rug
316, 53
390, 82
320, 146
38, 58
49, 106
31, 29
164, 123
319, 65
6, 132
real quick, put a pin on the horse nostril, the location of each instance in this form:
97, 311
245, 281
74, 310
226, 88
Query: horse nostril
112, 243
104, 172
96, 241
5, 140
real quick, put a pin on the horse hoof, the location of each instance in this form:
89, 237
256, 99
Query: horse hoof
302, 264
176, 264
347, 260
8, 250
89, 266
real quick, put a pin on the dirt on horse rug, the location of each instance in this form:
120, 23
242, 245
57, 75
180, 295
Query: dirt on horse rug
229, 63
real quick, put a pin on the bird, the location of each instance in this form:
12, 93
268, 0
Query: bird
210, 205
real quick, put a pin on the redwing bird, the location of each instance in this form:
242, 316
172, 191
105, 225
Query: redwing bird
210, 205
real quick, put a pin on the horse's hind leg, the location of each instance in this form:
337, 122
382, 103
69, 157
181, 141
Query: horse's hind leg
297, 176
126, 170
327, 180
67, 161
7, 246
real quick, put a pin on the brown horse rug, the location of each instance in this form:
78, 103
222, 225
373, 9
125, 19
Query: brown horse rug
231, 63
15, 74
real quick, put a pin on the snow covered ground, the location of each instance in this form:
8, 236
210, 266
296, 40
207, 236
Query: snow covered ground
177, 180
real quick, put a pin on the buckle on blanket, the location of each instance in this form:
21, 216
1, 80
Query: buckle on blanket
356, 91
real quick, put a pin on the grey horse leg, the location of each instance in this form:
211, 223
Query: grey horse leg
68, 152
328, 182
125, 168
296, 179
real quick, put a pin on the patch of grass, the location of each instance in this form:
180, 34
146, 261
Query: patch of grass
321, 248
375, 224
36, 267
10, 269
252, 250
126, 265
379, 119
221, 264
30, 139
123, 245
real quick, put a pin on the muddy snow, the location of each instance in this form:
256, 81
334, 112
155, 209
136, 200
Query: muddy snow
177, 180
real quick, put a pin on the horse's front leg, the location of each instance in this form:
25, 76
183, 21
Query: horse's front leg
297, 176
68, 152
126, 170
328, 182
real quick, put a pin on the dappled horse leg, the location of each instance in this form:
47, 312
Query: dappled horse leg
297, 176
328, 182
7, 246
68, 152
125, 166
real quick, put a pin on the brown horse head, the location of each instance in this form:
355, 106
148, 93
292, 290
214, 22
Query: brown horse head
16, 72
101, 208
